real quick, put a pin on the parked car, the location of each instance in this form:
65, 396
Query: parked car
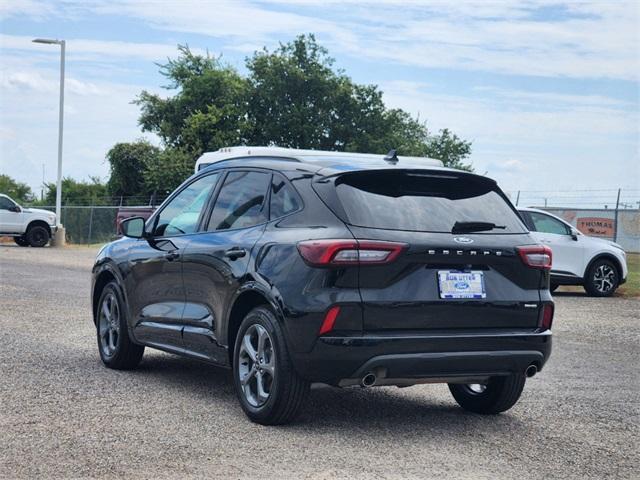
599, 265
293, 267
27, 226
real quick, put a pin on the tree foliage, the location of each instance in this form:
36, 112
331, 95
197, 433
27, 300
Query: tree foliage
207, 113
291, 97
168, 170
128, 162
75, 192
20, 192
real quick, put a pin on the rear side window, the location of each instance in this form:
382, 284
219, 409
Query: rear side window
423, 202
546, 224
240, 203
284, 199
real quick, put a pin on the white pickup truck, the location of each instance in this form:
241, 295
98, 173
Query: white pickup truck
27, 226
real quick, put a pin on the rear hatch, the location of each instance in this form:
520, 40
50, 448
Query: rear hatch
459, 267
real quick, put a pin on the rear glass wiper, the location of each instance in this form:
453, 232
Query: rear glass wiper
468, 227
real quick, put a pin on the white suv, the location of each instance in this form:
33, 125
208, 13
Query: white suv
599, 265
27, 226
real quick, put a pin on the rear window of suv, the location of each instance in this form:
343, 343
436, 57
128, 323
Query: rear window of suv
426, 202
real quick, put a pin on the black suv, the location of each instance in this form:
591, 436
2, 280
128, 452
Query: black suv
347, 272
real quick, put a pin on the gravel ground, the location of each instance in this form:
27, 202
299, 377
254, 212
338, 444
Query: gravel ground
64, 415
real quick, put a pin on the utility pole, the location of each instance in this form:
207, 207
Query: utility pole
615, 217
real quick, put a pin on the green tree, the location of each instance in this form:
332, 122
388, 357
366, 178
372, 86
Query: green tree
207, 112
128, 162
20, 192
298, 101
168, 170
446, 146
292, 97
75, 192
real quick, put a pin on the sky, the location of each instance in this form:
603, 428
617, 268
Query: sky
547, 91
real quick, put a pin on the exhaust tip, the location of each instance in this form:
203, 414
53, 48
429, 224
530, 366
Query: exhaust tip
531, 371
369, 380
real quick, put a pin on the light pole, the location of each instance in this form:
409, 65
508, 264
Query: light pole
59, 237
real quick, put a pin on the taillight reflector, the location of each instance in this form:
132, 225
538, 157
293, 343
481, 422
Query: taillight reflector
329, 252
546, 316
536, 256
329, 320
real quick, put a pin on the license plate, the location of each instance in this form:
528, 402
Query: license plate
456, 284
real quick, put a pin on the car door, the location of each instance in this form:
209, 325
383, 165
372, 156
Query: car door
154, 284
10, 220
215, 262
567, 251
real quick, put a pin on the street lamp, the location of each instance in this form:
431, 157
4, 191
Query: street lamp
59, 237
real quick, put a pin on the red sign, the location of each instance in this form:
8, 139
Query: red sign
596, 227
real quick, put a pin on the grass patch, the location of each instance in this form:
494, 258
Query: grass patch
632, 287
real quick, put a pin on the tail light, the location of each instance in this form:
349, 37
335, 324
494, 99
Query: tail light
546, 316
536, 256
329, 320
323, 253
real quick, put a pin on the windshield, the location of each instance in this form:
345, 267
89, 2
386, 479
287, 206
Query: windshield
425, 202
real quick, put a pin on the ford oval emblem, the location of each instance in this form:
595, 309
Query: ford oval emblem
461, 285
463, 239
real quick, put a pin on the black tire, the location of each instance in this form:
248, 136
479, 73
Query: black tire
21, 241
553, 287
125, 354
500, 394
594, 284
287, 391
38, 236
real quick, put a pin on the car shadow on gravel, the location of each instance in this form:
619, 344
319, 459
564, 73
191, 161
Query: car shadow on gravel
383, 410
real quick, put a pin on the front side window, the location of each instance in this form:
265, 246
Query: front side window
240, 203
284, 199
6, 204
181, 214
546, 224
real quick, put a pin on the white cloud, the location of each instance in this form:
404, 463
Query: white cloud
525, 139
79, 48
588, 40
522, 137
31, 8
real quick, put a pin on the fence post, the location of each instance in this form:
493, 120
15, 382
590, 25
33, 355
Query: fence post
615, 216
90, 226
517, 198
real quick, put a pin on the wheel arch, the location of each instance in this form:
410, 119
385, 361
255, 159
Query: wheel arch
101, 279
247, 298
39, 223
605, 256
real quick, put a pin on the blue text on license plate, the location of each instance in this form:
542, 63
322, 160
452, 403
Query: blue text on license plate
457, 284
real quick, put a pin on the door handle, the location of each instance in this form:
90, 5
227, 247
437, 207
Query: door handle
235, 252
171, 256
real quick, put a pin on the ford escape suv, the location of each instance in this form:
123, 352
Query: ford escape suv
295, 267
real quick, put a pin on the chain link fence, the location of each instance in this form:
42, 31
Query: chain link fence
88, 224
96, 223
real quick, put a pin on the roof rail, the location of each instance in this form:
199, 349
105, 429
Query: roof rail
293, 154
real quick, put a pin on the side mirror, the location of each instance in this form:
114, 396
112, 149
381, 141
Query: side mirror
16, 209
133, 227
574, 234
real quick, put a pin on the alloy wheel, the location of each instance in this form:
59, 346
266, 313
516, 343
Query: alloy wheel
256, 365
604, 278
109, 324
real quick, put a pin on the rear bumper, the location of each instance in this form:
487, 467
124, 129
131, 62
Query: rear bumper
399, 359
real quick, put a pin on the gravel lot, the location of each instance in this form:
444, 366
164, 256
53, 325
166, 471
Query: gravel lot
62, 414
